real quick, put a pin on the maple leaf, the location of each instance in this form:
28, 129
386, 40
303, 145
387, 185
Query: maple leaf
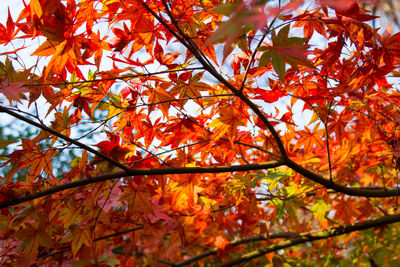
221, 242
292, 50
79, 235
320, 208
33, 236
192, 88
14, 90
228, 121
159, 212
31, 156
269, 96
344, 212
121, 40
349, 8
160, 95
239, 59
311, 22
112, 148
8, 33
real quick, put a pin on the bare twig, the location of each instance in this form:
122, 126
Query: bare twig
66, 138
62, 250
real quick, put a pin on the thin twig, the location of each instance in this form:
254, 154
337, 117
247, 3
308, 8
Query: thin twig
127, 77
94, 240
253, 55
327, 140
66, 138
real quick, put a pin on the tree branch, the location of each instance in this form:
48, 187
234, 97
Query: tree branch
359, 191
351, 191
66, 138
253, 55
315, 235
64, 249
236, 243
123, 78
140, 172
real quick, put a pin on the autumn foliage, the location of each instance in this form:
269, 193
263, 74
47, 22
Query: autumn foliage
201, 132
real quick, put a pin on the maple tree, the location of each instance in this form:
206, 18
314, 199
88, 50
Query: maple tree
203, 131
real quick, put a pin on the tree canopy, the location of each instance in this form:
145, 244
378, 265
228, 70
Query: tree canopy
208, 132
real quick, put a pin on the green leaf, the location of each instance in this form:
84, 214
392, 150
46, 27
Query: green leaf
279, 66
75, 162
242, 43
225, 9
265, 58
320, 208
280, 207
118, 250
263, 48
282, 35
297, 40
292, 189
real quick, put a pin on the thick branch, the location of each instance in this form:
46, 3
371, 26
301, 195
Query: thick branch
66, 138
351, 191
236, 243
315, 235
364, 192
140, 172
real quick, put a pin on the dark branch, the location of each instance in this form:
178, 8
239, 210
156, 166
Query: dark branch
140, 172
351, 191
66, 138
236, 243
359, 191
313, 236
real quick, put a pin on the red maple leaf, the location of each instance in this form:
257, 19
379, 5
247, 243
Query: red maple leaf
13, 91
